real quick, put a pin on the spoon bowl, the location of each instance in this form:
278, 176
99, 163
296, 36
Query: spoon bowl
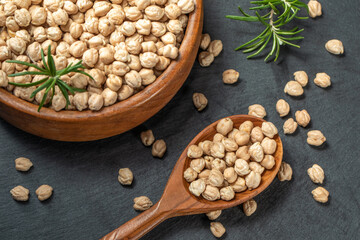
177, 199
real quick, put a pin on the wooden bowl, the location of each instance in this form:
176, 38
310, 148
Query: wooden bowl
115, 119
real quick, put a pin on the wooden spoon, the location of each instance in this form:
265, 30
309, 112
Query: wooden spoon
178, 201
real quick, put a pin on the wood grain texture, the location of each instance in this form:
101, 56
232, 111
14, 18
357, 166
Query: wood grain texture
177, 199
118, 118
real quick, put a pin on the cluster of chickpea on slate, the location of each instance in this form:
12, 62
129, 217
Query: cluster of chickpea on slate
124, 45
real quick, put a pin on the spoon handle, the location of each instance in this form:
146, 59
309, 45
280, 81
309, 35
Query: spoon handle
140, 225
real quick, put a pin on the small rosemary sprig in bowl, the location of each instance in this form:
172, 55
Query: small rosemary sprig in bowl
51, 77
281, 13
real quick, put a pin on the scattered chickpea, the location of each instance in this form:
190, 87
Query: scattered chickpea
269, 129
314, 8
230, 76
205, 41
322, 80
335, 46
315, 138
316, 174
249, 207
19, 193
142, 203
320, 194
302, 118
44, 192
213, 215
290, 126
285, 172
158, 148
125, 176
205, 59
217, 229
200, 101
257, 110
293, 88
301, 77
147, 137
282, 107
215, 47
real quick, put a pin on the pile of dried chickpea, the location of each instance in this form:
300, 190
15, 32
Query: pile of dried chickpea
20, 193
233, 161
124, 44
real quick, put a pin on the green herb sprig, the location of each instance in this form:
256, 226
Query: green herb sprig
281, 12
51, 77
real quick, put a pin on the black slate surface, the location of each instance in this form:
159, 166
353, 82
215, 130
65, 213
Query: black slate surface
88, 201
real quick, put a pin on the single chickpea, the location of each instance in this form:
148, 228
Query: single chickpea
77, 49
232, 133
282, 107
241, 167
205, 41
242, 138
4, 81
208, 161
194, 151
90, 57
290, 126
197, 187
316, 174
269, 129
227, 193
218, 164
213, 215
301, 77
142, 203
105, 26
239, 185
253, 180
22, 3
114, 82
11, 24
133, 47
322, 80
320, 194
285, 172
24, 93
84, 5
96, 102
335, 46
54, 33
76, 29
148, 47
22, 17
98, 78
78, 17
24, 35
187, 6
50, 20
172, 11
230, 159
218, 137
109, 96
190, 174
293, 88
230, 175
249, 207
45, 45
101, 8
69, 39
215, 47
92, 25
230, 144
116, 16
133, 79
147, 138
120, 68
149, 59
314, 8
125, 92
16, 45
147, 76
121, 54
158, 29
163, 63
63, 49
243, 153
70, 7
315, 138
174, 26
128, 28
19, 193
197, 164
246, 126
257, 110
133, 13
256, 152
106, 55
200, 101
269, 145
211, 193
206, 146
79, 81
96, 42
143, 26
9, 9
268, 162
60, 62
125, 176
81, 100
58, 102
158, 148
9, 68
22, 79
168, 38
116, 38
224, 126
154, 12
142, 4
302, 118
218, 150
60, 17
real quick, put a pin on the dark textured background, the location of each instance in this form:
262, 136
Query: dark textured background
88, 201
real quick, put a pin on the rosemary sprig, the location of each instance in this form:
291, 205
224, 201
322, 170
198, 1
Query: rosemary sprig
281, 13
51, 77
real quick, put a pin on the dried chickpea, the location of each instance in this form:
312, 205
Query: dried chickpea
24, 35
84, 5
4, 81
106, 27
269, 145
101, 8
205, 58
77, 49
158, 29
168, 38
269, 129
302, 118
60, 17
213, 215
239, 185
230, 76
92, 25
314, 8
109, 96
194, 151
285, 172
125, 176
79, 80
9, 8
206, 146
16, 45
23, 164
229, 144
218, 164
320, 194
9, 68
133, 79
54, 33
215, 47
78, 17
257, 110
218, 150
316, 174
106, 55
243, 153
227, 193
22, 17
186, 6
293, 88
44, 192
142, 4
5, 53
116, 16
197, 187
149, 59
90, 57
205, 41
224, 126
249, 207
218, 137
24, 93
58, 102
143, 26
96, 102
190, 175
253, 180
70, 8
200, 101
246, 126
197, 164
301, 77
69, 39
114, 82
133, 13
256, 167
335, 46
242, 137
158, 148
211, 193
154, 13
256, 152
322, 80
142, 203
120, 68
76, 30
268, 162
290, 126
208, 161
315, 138
147, 137
241, 167
81, 100
230, 175
256, 135
22, 3
282, 107
19, 193
45, 45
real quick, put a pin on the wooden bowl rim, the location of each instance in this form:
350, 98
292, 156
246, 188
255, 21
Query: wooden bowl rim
134, 101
